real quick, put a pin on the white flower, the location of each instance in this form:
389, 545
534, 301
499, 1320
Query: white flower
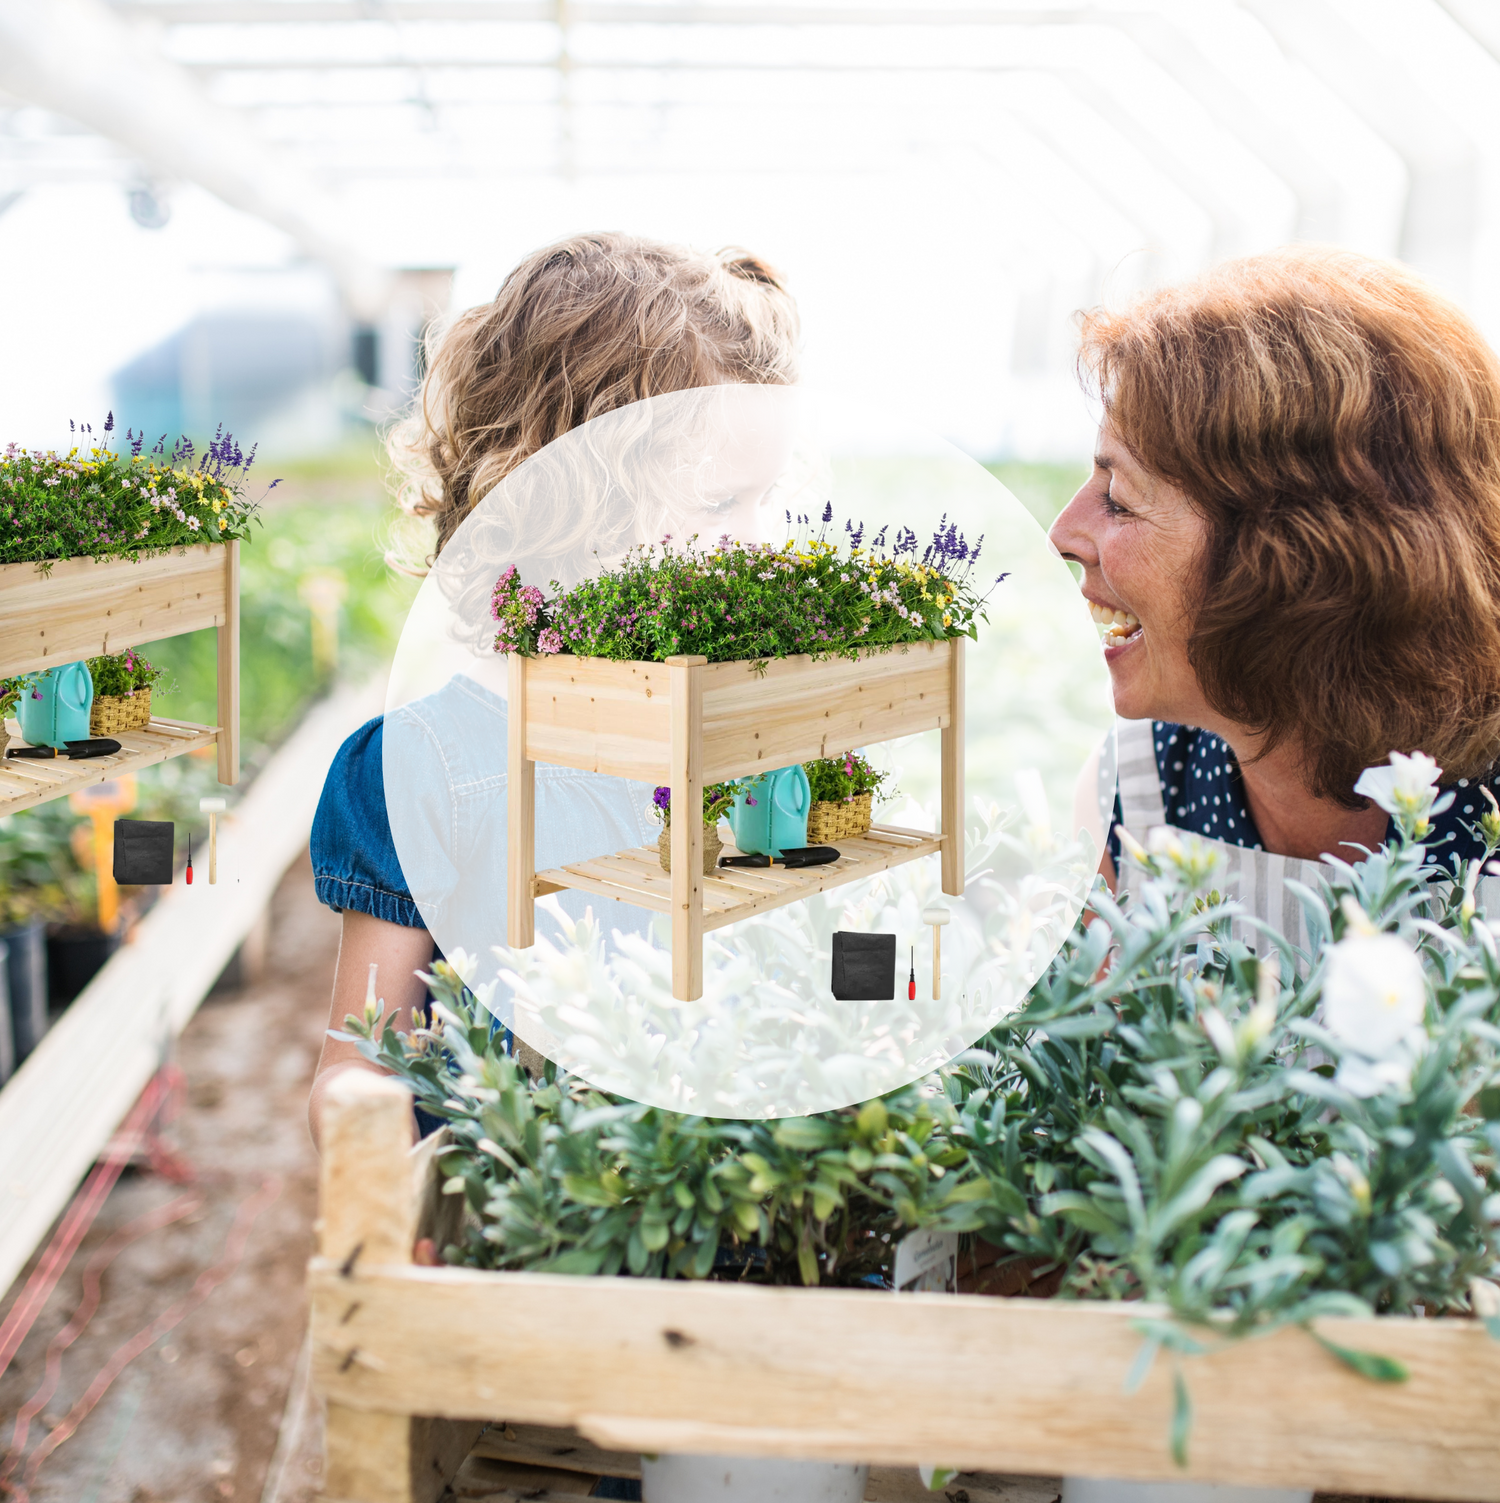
1374, 1002
1406, 787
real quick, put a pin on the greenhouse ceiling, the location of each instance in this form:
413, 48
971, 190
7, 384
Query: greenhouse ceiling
1073, 147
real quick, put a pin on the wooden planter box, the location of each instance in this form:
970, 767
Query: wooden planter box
82, 608
412, 1360
687, 722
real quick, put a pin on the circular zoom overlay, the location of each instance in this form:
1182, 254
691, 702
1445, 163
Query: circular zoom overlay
724, 528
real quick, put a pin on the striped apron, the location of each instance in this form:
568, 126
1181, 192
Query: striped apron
1255, 879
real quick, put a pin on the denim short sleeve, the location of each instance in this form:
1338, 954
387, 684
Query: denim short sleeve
353, 856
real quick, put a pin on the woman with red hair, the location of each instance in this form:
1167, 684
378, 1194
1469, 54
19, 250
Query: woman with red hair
1292, 531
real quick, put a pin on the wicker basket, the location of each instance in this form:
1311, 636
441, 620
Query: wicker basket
712, 845
838, 819
113, 713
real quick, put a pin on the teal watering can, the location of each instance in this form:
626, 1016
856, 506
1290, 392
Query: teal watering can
54, 710
777, 819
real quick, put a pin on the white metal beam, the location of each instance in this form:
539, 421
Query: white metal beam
79, 59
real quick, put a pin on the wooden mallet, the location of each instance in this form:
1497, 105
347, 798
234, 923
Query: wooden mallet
937, 916
213, 807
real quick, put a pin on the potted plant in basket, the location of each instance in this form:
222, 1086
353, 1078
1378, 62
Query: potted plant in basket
122, 692
843, 793
717, 797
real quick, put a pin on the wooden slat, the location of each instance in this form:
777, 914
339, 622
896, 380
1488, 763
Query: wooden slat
615, 718
606, 882
549, 1446
228, 668
635, 876
563, 1449
952, 764
687, 780
600, 716
24, 783
520, 813
82, 608
1031, 1386
797, 708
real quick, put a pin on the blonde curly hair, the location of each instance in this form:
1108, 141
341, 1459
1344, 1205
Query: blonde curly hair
579, 328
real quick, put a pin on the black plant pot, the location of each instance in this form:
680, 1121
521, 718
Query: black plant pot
26, 975
74, 958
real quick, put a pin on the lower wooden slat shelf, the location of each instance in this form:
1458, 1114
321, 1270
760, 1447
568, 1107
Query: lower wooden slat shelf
25, 782
733, 893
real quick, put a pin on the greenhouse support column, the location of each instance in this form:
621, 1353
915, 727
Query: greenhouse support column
520, 816
229, 669
953, 774
369, 1206
686, 780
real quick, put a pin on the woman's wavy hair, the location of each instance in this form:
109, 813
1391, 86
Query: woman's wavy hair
1337, 423
581, 328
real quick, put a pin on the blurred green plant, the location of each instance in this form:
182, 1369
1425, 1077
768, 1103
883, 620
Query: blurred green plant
278, 674
332, 517
1043, 489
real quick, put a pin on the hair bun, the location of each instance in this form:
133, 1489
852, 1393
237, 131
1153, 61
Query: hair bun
740, 263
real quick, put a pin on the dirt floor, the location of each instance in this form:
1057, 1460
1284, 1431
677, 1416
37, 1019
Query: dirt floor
197, 1415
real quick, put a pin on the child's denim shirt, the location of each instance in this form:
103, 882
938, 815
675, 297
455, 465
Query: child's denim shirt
444, 757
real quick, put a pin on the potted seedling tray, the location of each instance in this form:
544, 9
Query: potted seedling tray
413, 1361
687, 722
81, 607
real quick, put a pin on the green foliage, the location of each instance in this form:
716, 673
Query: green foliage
717, 797
562, 1178
93, 502
123, 673
277, 675
753, 601
835, 779
39, 875
1180, 1128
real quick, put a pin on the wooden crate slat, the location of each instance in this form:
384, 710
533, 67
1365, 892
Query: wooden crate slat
734, 893
1015, 1385
81, 608
24, 783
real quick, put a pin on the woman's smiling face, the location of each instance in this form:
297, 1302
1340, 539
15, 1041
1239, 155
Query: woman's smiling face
1138, 539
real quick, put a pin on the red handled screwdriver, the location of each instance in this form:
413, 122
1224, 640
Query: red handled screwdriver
911, 985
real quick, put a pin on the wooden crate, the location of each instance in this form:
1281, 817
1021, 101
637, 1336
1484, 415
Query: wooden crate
413, 1360
82, 608
688, 722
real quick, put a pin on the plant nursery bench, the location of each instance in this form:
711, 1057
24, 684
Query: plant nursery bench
688, 722
414, 1361
82, 607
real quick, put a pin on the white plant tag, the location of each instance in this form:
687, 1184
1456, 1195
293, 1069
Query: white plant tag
926, 1261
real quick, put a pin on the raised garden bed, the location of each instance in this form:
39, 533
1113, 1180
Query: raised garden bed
413, 1360
687, 722
83, 607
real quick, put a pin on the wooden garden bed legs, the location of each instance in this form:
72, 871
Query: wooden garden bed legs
687, 723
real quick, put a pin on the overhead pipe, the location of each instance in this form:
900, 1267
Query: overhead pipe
79, 59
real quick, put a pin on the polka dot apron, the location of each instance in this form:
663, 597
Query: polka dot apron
1254, 877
